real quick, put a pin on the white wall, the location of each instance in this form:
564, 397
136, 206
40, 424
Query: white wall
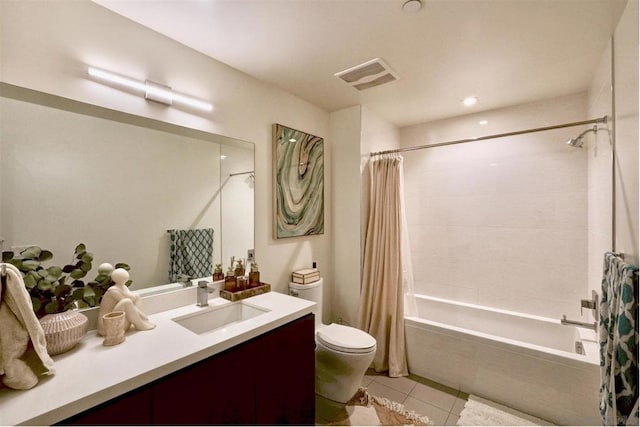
356, 131
46, 46
599, 149
501, 222
345, 289
618, 68
625, 65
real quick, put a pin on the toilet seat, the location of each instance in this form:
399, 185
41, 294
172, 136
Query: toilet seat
345, 339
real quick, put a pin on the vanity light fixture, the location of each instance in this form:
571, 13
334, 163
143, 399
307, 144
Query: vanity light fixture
152, 91
469, 101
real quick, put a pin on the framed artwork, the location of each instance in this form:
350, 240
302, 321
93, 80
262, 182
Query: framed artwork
298, 183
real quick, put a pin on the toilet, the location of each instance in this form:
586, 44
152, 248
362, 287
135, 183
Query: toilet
343, 353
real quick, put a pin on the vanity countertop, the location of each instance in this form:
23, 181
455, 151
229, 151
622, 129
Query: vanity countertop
91, 373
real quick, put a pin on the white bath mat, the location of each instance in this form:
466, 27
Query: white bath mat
481, 412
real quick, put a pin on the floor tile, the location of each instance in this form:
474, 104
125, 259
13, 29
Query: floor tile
434, 396
437, 416
367, 379
452, 420
458, 406
402, 384
327, 409
436, 385
381, 390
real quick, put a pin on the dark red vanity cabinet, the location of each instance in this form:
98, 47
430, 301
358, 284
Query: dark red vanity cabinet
267, 380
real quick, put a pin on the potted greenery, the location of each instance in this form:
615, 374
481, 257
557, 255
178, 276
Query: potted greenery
56, 291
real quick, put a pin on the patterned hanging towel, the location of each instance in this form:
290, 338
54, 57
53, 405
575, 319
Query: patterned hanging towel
191, 253
618, 332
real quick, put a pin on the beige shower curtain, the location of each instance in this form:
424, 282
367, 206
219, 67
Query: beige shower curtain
385, 269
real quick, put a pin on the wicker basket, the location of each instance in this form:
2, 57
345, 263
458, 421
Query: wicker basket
63, 330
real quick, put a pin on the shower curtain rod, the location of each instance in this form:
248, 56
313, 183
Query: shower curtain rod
602, 119
240, 173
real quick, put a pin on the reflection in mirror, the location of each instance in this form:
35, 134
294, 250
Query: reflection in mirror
72, 172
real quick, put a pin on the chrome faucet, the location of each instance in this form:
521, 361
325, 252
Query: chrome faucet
203, 290
565, 321
591, 304
185, 279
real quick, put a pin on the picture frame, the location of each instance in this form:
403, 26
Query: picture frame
298, 183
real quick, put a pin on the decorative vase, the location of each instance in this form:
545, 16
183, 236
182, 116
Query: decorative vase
63, 331
114, 323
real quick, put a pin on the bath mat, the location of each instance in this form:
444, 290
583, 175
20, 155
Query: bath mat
367, 410
481, 412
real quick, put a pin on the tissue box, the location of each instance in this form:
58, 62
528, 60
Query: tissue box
305, 276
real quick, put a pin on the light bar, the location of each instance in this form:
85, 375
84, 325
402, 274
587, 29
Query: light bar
151, 90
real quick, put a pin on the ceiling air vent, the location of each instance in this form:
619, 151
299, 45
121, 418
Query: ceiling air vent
370, 74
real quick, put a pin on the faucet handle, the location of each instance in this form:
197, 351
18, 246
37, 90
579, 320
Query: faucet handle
186, 279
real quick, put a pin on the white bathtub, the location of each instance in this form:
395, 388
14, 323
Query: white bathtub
526, 362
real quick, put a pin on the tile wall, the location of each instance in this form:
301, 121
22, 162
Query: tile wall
501, 222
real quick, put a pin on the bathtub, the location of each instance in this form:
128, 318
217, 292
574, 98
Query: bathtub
530, 363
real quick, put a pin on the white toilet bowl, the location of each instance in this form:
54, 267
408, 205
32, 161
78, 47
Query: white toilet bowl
343, 353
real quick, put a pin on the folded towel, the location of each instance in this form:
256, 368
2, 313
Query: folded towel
191, 253
19, 326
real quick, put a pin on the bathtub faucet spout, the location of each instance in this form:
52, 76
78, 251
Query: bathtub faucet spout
565, 321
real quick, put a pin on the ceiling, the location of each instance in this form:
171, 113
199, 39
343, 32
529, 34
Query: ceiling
504, 52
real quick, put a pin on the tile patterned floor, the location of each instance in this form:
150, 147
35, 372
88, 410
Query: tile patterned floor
440, 403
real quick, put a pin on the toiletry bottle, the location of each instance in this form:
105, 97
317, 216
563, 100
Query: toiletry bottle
242, 283
218, 274
230, 282
239, 268
254, 275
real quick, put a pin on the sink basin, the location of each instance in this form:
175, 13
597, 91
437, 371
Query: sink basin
215, 317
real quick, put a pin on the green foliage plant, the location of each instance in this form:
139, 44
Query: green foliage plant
56, 289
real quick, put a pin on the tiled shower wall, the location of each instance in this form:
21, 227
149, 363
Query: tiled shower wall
502, 222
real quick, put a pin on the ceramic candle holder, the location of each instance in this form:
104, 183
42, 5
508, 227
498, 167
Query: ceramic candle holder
114, 327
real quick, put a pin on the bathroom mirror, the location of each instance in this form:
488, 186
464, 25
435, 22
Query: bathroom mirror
74, 173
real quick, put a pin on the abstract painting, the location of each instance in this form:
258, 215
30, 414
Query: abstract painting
298, 174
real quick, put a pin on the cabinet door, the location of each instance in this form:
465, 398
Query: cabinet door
218, 390
182, 397
233, 388
129, 409
285, 377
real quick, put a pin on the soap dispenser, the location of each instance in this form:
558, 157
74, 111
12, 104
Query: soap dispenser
230, 282
218, 274
239, 271
254, 275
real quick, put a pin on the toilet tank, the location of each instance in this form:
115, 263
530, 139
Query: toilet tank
310, 292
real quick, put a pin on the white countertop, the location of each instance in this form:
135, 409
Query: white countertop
91, 373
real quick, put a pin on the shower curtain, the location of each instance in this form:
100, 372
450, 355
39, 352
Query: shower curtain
387, 285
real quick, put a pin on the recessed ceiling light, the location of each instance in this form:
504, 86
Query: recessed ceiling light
483, 122
222, 157
412, 6
469, 101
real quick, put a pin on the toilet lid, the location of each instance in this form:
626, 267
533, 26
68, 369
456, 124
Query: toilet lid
346, 339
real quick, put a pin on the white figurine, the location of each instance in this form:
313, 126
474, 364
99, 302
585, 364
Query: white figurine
119, 298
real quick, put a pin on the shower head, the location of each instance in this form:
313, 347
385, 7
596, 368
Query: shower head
578, 141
